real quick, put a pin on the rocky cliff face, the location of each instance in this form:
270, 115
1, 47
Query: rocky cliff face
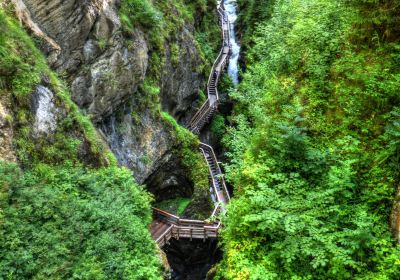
105, 69
140, 143
181, 81
102, 71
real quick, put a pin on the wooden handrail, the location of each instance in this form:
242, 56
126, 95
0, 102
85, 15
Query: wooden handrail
214, 213
212, 177
222, 180
168, 216
200, 114
195, 124
164, 234
175, 220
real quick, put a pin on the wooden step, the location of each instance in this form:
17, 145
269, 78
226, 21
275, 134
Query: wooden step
157, 228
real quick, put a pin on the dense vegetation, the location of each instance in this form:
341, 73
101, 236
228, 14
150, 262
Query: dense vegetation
59, 218
314, 146
71, 222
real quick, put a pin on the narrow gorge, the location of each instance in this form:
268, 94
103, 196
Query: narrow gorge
199, 139
166, 226
136, 89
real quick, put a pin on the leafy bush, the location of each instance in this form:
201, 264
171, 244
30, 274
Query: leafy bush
314, 147
71, 222
218, 127
134, 13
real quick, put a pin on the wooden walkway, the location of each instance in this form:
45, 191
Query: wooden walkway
210, 105
165, 225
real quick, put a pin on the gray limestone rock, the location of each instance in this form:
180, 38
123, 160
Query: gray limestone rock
105, 70
45, 111
181, 82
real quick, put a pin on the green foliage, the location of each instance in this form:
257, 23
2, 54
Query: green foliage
175, 51
71, 222
218, 127
377, 22
20, 70
189, 152
251, 14
225, 84
314, 151
202, 97
207, 43
134, 13
149, 93
176, 206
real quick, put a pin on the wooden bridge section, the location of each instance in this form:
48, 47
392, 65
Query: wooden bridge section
165, 225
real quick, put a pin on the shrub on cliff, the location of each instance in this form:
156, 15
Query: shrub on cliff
73, 222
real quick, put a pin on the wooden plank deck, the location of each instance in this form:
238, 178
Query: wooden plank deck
157, 228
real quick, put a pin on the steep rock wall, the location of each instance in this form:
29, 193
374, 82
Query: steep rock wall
181, 80
101, 70
105, 69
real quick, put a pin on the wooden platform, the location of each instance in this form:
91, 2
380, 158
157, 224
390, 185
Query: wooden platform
166, 226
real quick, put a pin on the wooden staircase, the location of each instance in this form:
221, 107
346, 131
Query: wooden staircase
206, 111
219, 189
165, 225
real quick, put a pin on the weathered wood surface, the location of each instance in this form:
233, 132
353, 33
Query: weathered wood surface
166, 226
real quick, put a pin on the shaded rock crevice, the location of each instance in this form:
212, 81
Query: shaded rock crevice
192, 260
179, 98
